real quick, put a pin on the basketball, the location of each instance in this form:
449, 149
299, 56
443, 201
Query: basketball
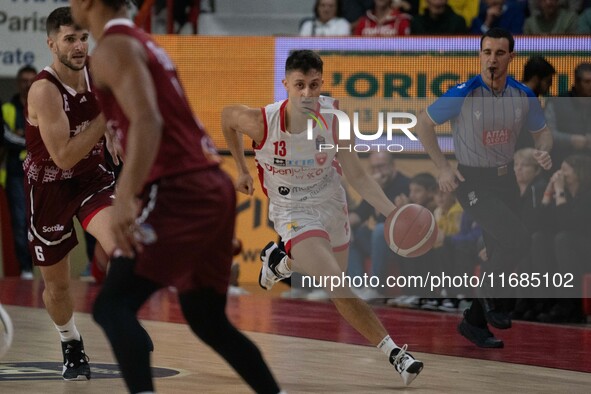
410, 230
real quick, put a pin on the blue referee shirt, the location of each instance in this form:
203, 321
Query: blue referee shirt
485, 127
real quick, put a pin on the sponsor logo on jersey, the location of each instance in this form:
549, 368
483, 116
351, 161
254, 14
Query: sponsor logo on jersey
283, 190
495, 137
293, 226
279, 162
297, 172
321, 157
83, 99
320, 140
472, 199
51, 229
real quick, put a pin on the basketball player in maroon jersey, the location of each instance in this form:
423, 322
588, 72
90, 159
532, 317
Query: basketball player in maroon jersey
174, 209
65, 176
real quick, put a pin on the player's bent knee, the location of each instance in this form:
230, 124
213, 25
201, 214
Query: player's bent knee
57, 290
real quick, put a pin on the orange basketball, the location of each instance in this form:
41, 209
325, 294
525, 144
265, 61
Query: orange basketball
410, 230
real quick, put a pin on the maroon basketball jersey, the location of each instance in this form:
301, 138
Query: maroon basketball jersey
80, 109
185, 145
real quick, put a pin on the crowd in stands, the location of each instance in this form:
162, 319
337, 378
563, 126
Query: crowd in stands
388, 18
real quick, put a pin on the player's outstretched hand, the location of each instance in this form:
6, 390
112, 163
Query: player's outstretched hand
448, 179
543, 158
245, 184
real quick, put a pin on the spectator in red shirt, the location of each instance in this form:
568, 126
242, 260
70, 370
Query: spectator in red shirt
383, 21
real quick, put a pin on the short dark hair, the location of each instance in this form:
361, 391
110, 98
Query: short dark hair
26, 69
537, 66
59, 17
303, 60
497, 32
425, 180
581, 69
339, 7
581, 165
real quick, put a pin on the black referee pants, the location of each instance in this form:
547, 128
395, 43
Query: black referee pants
491, 197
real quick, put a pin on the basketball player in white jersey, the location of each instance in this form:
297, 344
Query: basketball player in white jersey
307, 203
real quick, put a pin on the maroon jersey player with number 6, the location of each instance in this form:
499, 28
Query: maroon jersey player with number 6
187, 203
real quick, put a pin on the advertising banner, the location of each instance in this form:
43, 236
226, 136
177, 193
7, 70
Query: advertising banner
22, 28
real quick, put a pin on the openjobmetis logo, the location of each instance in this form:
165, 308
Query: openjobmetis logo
344, 130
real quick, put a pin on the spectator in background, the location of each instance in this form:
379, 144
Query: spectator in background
411, 7
569, 191
552, 19
462, 257
585, 22
423, 187
569, 118
531, 189
438, 19
384, 20
467, 9
14, 141
571, 5
368, 242
448, 216
327, 20
537, 75
499, 13
355, 9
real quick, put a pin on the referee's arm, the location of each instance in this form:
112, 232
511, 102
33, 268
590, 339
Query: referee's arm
543, 144
448, 176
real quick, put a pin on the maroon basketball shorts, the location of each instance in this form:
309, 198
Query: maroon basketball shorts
51, 208
192, 216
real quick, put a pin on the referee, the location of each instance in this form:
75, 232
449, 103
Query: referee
487, 113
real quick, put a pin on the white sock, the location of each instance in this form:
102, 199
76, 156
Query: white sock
68, 332
283, 267
387, 345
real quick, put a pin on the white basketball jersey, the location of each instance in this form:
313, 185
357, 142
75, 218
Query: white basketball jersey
292, 168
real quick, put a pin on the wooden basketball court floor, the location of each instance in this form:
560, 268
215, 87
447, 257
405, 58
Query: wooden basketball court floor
308, 346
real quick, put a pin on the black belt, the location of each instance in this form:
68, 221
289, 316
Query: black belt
488, 172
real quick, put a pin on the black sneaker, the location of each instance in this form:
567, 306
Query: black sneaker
481, 337
271, 256
75, 361
407, 366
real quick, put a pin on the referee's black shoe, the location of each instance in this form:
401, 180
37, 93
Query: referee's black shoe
495, 318
481, 337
